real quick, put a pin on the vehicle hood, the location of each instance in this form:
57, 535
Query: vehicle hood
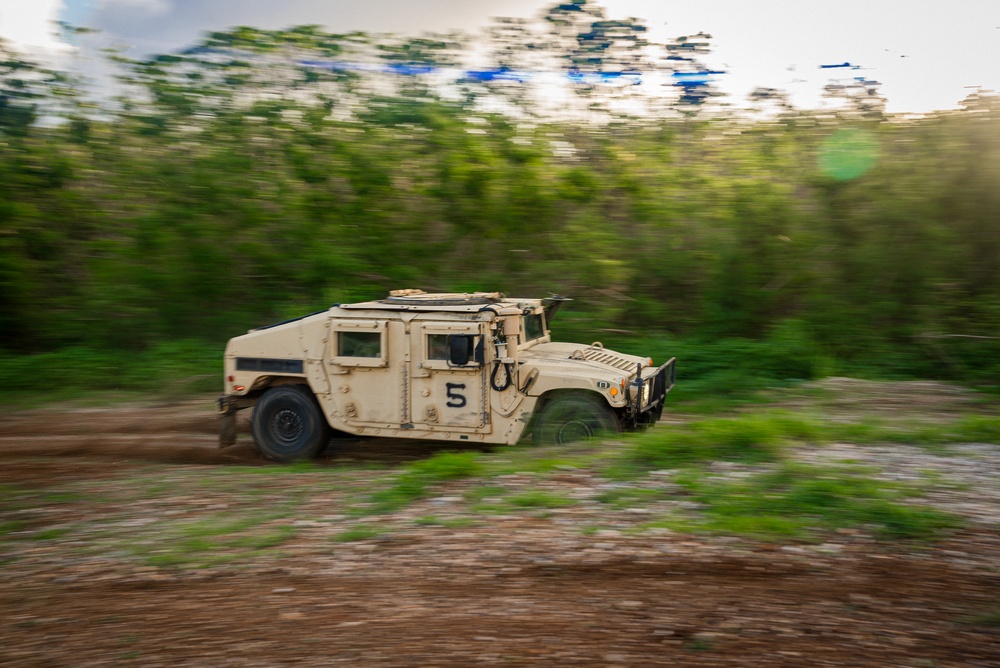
578, 358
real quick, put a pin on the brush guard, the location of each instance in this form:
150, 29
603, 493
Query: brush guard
660, 382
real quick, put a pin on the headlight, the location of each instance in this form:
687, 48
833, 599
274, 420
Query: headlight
647, 389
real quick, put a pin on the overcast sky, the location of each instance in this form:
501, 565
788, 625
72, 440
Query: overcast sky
926, 53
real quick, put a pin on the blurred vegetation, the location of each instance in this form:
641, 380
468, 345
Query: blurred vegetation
229, 186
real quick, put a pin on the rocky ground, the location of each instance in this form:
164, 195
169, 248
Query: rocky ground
129, 538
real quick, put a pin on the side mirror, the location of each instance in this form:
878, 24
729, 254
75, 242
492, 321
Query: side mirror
459, 353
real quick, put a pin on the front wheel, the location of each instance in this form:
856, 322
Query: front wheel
572, 418
288, 424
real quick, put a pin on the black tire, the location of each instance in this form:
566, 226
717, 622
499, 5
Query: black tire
571, 418
287, 424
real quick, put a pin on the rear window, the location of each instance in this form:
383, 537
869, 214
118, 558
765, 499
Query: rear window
359, 344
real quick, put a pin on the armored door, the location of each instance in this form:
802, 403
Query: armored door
445, 395
366, 371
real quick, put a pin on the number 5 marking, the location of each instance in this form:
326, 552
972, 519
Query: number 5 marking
455, 400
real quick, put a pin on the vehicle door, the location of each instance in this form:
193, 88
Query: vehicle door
366, 369
445, 395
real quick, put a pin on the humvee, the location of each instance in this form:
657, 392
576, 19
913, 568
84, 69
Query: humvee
465, 367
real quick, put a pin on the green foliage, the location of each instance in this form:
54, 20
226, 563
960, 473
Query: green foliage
173, 368
539, 499
979, 429
359, 532
413, 482
750, 438
224, 193
448, 523
210, 541
988, 618
968, 429
763, 437
447, 466
795, 499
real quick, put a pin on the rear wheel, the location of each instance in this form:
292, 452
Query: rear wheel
570, 418
288, 424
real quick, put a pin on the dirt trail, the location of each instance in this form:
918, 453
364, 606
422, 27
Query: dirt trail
512, 591
177, 433
756, 611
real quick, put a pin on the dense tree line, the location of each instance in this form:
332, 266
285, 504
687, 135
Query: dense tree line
232, 185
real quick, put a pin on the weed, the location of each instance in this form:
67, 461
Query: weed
360, 532
750, 438
62, 496
528, 460
795, 498
166, 560
448, 466
271, 538
484, 492
539, 499
50, 534
989, 618
12, 526
412, 483
449, 523
487, 508
208, 528
699, 644
627, 497
175, 368
980, 429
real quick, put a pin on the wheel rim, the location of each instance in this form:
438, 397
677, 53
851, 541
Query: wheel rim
574, 430
287, 427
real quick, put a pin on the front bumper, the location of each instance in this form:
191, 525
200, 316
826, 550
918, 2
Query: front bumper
649, 392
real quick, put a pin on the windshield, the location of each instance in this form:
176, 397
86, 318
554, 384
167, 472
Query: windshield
534, 327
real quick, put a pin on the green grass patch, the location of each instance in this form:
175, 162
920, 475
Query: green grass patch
12, 526
477, 494
291, 468
799, 499
750, 438
967, 429
539, 499
990, 618
211, 528
534, 460
270, 538
172, 369
446, 522
360, 532
628, 497
50, 534
979, 429
214, 540
448, 466
412, 484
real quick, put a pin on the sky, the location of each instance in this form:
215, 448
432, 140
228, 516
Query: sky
928, 54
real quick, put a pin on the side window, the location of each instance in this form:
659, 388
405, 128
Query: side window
437, 347
437, 350
359, 344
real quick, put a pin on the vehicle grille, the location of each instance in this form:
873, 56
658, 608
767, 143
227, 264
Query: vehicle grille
604, 357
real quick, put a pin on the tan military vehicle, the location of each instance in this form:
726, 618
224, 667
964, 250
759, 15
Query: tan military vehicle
469, 368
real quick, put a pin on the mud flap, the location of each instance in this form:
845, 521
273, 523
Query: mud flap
227, 430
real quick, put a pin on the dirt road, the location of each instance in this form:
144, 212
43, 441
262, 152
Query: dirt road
97, 502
